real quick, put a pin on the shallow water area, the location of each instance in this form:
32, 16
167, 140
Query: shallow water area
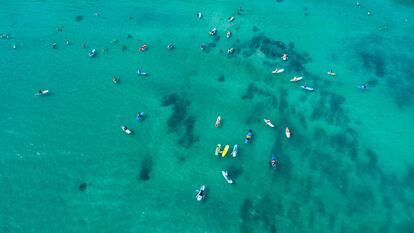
68, 167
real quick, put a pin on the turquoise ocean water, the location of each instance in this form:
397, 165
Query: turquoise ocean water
348, 166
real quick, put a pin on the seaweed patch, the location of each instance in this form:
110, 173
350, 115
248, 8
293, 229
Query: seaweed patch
247, 216
336, 172
330, 108
265, 213
180, 121
379, 61
273, 49
409, 177
235, 171
252, 90
82, 187
146, 167
188, 138
78, 18
179, 110
255, 29
373, 62
405, 2
221, 78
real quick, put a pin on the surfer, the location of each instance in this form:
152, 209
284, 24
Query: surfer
273, 163
140, 116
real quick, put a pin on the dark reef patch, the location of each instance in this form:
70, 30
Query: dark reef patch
319, 206
371, 58
216, 38
283, 102
82, 187
373, 61
180, 106
331, 221
247, 216
235, 171
180, 119
78, 18
373, 157
335, 172
146, 167
252, 89
409, 178
407, 3
402, 89
377, 57
370, 166
372, 82
346, 142
221, 78
188, 139
302, 121
406, 226
208, 47
330, 109
273, 49
265, 211
319, 133
362, 198
311, 220
294, 214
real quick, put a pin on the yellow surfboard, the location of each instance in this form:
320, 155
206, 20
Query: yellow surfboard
226, 148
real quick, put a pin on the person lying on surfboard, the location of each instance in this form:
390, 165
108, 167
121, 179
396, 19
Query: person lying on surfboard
218, 121
273, 162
